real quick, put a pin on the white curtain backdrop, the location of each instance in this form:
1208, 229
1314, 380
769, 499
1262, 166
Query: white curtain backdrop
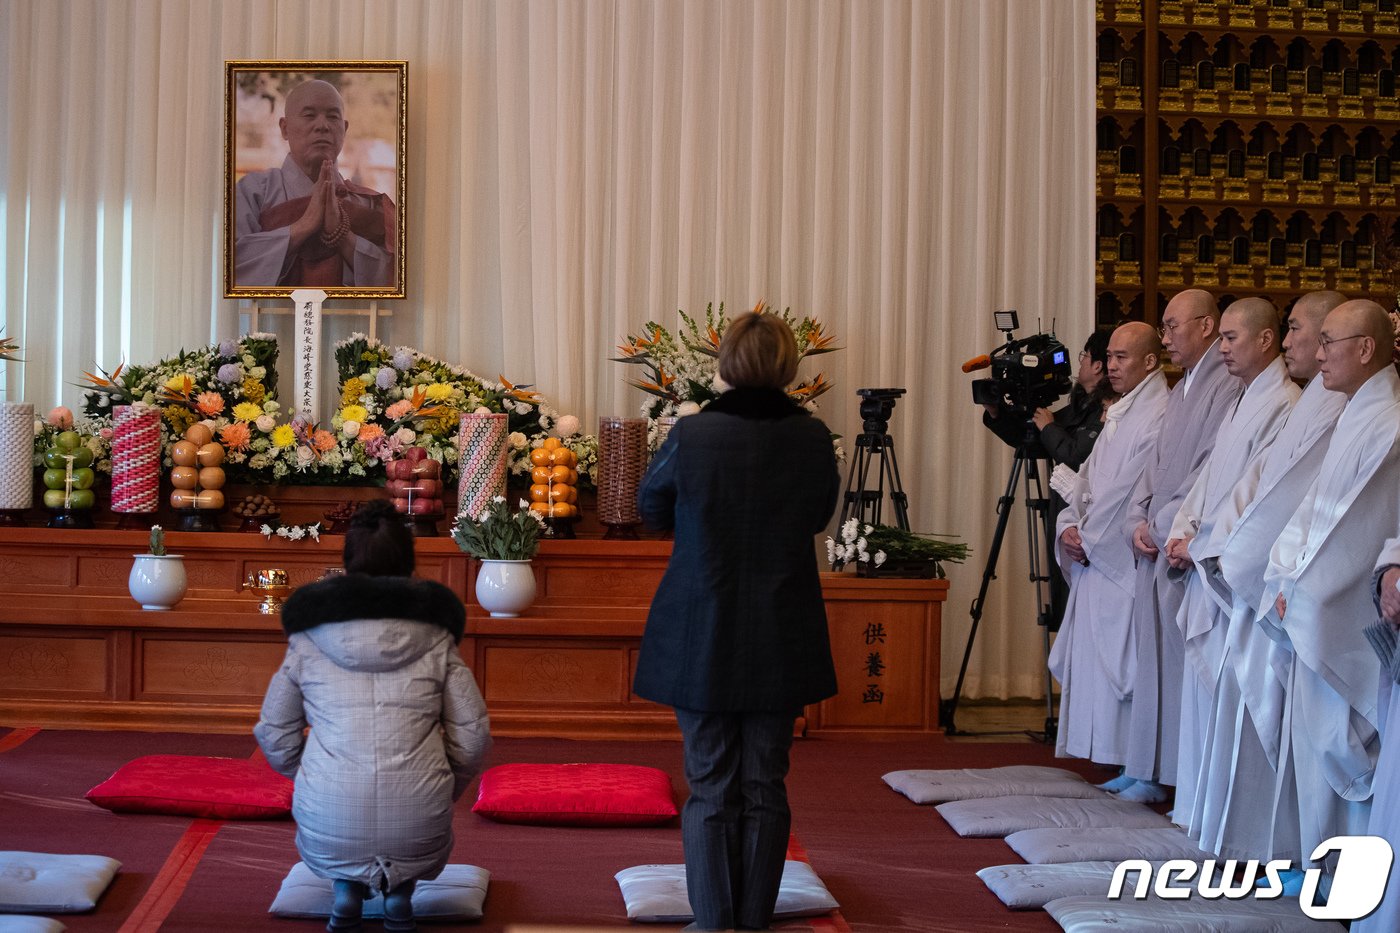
897, 168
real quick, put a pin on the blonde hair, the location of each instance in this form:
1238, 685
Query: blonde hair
758, 351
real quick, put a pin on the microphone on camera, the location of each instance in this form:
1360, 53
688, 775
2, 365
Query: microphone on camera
976, 363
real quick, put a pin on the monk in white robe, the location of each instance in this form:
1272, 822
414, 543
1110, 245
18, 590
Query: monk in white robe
1385, 808
1249, 346
1198, 403
1236, 815
1093, 655
1316, 590
302, 225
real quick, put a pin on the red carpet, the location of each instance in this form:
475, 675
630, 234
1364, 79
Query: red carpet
893, 866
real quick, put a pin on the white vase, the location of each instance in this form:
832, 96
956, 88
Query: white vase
505, 588
157, 582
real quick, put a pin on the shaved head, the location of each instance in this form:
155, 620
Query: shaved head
1134, 353
1357, 341
1249, 341
1317, 305
1255, 315
1198, 301
1304, 327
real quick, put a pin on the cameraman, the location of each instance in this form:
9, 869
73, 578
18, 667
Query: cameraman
1068, 434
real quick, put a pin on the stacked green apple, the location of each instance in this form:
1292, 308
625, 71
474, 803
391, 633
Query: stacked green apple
68, 444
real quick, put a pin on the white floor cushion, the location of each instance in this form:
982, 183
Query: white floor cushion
657, 893
456, 894
999, 816
1095, 914
1030, 887
972, 783
42, 882
1054, 846
15, 923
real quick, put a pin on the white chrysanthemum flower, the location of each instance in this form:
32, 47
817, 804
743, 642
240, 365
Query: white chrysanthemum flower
265, 423
518, 440
305, 455
879, 558
848, 530
868, 528
350, 429
567, 426
830, 551
860, 543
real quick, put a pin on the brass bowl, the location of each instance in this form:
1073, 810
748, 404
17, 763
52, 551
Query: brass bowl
272, 584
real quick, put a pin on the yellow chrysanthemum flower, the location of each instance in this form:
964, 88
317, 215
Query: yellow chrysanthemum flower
180, 383
351, 390
253, 390
438, 427
180, 418
354, 413
247, 411
439, 392
283, 436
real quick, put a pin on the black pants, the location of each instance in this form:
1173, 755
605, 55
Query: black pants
736, 823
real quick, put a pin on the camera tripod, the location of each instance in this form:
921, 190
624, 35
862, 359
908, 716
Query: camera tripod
1040, 541
860, 501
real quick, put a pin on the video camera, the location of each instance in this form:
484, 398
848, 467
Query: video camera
1027, 374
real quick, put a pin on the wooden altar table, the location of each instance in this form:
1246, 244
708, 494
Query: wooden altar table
77, 652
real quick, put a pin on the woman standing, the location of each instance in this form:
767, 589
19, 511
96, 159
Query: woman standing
398, 727
736, 639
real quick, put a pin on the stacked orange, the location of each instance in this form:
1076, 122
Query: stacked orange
554, 489
197, 476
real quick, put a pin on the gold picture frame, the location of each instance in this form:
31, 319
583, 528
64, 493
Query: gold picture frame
290, 224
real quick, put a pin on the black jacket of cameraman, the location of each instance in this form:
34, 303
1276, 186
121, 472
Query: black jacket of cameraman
1068, 439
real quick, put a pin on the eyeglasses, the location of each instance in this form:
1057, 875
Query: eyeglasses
1170, 328
1326, 342
1083, 355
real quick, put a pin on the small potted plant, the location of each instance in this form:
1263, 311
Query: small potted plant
157, 579
505, 543
886, 551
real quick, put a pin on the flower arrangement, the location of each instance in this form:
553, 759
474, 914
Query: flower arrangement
499, 534
292, 532
390, 398
680, 370
877, 544
395, 397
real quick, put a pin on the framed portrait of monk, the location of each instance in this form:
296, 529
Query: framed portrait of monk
314, 178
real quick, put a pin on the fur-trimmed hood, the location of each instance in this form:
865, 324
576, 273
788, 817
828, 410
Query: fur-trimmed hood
359, 596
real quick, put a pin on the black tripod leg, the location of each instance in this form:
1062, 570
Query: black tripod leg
897, 496
1040, 548
948, 709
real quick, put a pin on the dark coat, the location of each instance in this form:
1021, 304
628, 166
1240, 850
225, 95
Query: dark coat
1068, 439
738, 622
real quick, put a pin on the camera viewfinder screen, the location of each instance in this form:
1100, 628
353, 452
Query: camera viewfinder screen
1060, 356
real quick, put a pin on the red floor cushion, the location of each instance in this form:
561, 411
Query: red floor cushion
576, 795
191, 785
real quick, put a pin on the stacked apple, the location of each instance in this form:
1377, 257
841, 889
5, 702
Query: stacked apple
554, 481
58, 493
197, 476
415, 483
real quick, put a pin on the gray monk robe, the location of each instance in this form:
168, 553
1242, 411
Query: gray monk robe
1185, 440
1205, 517
1093, 656
1236, 812
1321, 565
1385, 808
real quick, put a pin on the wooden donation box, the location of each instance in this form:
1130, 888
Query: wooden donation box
77, 651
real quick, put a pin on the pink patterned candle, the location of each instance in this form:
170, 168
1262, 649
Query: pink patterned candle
481, 460
135, 459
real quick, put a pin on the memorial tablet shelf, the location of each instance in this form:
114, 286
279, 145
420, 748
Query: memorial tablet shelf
1244, 147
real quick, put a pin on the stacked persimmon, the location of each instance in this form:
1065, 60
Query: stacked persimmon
198, 476
554, 481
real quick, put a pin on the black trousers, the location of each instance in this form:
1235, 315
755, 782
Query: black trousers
736, 823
